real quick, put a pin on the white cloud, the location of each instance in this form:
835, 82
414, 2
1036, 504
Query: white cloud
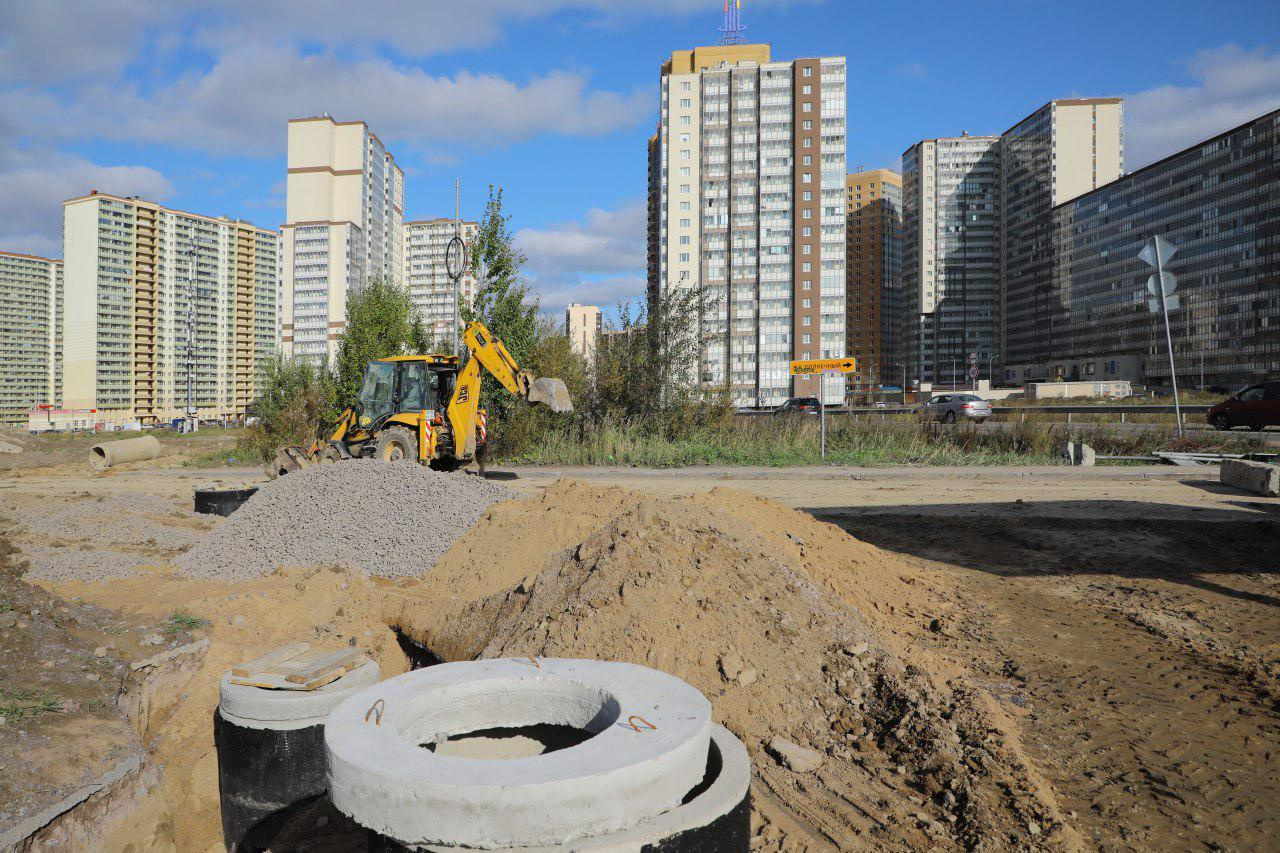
1232, 85
607, 293
241, 104
597, 261
33, 187
59, 40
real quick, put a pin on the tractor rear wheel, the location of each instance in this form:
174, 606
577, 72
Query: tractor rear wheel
396, 444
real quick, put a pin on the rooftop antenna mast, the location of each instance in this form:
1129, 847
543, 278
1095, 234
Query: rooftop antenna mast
732, 31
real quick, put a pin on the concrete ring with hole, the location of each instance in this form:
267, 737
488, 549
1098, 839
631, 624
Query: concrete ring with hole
647, 740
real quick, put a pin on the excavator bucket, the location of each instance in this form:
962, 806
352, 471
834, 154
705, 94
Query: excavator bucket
551, 393
288, 460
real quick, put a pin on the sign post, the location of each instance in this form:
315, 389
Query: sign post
821, 367
1157, 253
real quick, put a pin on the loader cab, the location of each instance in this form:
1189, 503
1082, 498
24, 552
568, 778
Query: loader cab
406, 384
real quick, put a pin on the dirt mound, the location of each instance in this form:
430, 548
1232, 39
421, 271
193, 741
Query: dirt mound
384, 518
794, 630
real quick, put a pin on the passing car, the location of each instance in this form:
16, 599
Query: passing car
1254, 407
801, 405
950, 408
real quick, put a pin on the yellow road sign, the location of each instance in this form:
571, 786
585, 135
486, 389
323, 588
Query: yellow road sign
815, 366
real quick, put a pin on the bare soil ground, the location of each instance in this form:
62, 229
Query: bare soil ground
1057, 658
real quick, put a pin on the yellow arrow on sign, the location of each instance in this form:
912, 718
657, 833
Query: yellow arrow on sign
823, 365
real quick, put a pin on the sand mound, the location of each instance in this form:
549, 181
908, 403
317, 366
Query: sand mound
385, 518
745, 599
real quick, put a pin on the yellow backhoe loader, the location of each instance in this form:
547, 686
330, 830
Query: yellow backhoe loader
423, 408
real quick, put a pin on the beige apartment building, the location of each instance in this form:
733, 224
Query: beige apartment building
136, 274
583, 324
30, 334
873, 266
344, 224
747, 202
427, 276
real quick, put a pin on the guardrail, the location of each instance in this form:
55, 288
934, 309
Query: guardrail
1122, 410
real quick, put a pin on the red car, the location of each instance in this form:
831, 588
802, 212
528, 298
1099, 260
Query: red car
1255, 407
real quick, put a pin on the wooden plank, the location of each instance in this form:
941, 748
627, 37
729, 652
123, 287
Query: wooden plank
270, 659
324, 665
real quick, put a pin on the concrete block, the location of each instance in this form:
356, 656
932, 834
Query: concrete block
1077, 453
1260, 478
799, 758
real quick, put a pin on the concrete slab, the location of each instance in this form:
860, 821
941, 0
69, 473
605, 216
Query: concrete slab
1260, 478
651, 738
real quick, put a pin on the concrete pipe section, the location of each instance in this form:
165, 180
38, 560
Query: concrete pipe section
110, 453
271, 753
516, 753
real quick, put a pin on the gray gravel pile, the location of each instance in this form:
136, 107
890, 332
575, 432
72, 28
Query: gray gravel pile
392, 519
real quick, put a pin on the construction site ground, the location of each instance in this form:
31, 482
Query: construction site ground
1114, 631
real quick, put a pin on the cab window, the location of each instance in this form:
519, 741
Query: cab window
1273, 391
376, 392
1251, 394
414, 385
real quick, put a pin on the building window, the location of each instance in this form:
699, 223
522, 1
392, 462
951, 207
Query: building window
806, 107
685, 103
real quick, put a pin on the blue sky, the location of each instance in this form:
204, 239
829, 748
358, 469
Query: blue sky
186, 102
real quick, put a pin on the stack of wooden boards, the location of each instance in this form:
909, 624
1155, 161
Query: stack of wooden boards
296, 667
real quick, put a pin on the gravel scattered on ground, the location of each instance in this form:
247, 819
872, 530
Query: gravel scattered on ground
132, 520
60, 565
391, 519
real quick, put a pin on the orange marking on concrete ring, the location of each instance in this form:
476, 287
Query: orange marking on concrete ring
379, 707
631, 723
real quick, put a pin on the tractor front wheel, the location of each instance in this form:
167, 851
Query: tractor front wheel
396, 444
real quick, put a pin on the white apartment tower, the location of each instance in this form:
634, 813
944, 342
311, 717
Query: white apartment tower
131, 270
30, 334
344, 212
747, 186
427, 276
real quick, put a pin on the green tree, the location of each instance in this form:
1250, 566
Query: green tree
381, 322
295, 399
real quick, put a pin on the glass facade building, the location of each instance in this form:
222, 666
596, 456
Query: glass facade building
1218, 202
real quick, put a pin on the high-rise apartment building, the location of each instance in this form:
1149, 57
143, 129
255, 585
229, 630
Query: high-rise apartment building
1218, 203
30, 334
747, 203
583, 324
136, 275
975, 227
344, 212
874, 268
950, 253
1061, 151
427, 276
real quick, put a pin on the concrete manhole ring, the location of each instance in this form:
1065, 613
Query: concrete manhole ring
256, 708
647, 739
